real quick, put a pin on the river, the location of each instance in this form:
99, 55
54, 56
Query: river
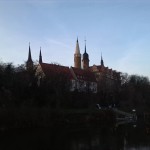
90, 138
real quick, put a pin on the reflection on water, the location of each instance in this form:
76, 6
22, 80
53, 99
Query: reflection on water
121, 138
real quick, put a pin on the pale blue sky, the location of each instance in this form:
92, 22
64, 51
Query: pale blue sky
120, 29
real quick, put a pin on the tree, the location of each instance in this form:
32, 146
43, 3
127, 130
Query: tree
135, 92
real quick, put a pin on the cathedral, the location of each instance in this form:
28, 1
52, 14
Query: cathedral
82, 76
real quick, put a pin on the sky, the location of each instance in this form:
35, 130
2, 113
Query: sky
119, 29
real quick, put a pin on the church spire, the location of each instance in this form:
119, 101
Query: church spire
29, 54
102, 62
29, 63
85, 59
85, 47
77, 50
77, 56
40, 56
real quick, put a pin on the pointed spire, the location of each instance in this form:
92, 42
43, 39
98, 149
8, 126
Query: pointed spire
102, 62
77, 56
85, 46
85, 60
40, 56
85, 55
29, 54
29, 63
77, 50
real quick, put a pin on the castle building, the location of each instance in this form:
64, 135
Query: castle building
102, 74
82, 76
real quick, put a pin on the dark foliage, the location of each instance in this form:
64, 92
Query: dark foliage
18, 88
19, 91
135, 93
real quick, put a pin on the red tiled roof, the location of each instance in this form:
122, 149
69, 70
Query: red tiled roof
104, 69
53, 69
98, 67
85, 75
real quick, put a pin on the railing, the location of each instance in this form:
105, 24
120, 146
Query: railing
122, 112
127, 117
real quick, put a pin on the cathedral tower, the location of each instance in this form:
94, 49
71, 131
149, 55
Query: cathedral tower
40, 56
85, 59
77, 56
29, 63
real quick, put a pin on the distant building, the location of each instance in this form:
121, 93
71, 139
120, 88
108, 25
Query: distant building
103, 75
83, 80
82, 77
53, 71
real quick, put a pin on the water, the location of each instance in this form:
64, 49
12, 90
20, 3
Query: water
121, 138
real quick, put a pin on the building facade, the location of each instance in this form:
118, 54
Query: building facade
82, 76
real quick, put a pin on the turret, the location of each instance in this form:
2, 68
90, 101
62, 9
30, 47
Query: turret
77, 56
